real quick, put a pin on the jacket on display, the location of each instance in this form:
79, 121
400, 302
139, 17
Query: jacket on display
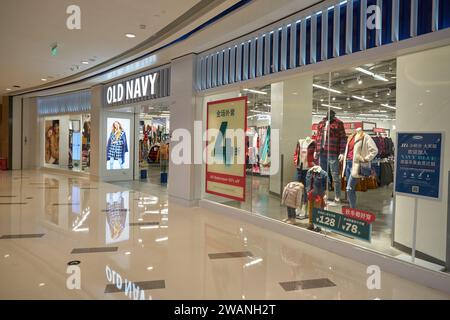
334, 143
304, 154
117, 147
293, 195
316, 181
364, 151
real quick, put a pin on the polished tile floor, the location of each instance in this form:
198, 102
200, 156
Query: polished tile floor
126, 241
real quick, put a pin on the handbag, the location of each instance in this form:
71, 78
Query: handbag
365, 168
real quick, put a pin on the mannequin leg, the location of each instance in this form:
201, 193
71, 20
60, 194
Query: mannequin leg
351, 184
310, 206
334, 168
291, 215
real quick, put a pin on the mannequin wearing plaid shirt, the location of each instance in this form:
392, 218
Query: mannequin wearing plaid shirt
330, 148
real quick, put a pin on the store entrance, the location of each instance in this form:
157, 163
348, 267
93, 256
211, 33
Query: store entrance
153, 143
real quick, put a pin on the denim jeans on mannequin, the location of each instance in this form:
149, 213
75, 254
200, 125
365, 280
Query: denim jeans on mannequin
291, 213
333, 164
351, 184
301, 177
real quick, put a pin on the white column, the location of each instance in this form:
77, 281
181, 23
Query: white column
291, 112
96, 129
31, 134
183, 178
17, 133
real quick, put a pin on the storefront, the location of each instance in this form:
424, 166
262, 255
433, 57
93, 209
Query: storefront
322, 117
135, 119
65, 131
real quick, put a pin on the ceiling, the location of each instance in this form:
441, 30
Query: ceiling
350, 83
28, 29
36, 26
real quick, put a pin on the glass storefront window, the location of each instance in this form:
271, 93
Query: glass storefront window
67, 142
154, 137
334, 165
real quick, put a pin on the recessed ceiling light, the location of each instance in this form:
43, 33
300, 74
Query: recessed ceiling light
43, 79
8, 89
85, 62
130, 35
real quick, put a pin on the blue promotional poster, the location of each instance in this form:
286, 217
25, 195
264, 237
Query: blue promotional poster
418, 164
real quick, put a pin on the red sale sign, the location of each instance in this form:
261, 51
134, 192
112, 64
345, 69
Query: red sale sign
358, 214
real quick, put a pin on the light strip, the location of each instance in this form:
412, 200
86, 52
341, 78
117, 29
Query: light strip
373, 115
255, 91
378, 77
257, 111
388, 106
148, 227
162, 239
362, 99
327, 89
370, 73
330, 106
256, 261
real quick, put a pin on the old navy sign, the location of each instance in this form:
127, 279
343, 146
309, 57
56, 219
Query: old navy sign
133, 89
141, 87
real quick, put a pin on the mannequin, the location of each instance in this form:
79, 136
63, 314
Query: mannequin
304, 160
316, 184
360, 148
292, 198
330, 148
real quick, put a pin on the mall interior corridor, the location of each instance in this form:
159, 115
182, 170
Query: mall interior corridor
211, 153
133, 234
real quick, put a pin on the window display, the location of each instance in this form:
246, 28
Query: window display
336, 134
52, 142
117, 155
153, 154
86, 142
66, 140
